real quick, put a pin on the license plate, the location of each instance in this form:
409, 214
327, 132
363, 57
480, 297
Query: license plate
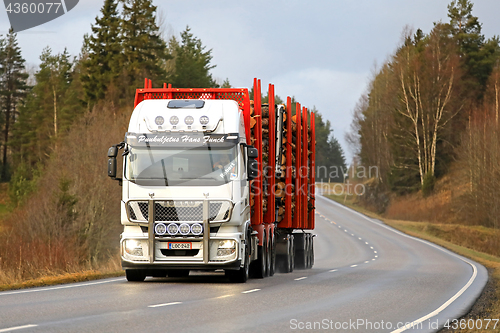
180, 246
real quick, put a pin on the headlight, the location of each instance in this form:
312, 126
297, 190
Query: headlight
227, 244
226, 248
133, 247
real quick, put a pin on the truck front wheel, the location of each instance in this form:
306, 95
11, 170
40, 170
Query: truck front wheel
241, 275
135, 275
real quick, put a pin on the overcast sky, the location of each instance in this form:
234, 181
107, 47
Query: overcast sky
321, 52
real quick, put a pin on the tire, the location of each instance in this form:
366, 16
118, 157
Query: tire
308, 251
241, 275
301, 251
312, 251
135, 275
291, 261
272, 250
258, 267
268, 256
177, 273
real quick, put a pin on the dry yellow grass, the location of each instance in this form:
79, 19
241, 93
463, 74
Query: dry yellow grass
468, 241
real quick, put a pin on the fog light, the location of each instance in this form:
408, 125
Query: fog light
196, 229
225, 252
184, 229
172, 229
161, 229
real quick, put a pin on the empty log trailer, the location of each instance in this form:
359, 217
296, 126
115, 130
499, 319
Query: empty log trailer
213, 180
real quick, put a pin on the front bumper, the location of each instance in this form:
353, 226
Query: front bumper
234, 265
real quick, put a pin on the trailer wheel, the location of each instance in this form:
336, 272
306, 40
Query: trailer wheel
312, 251
301, 254
135, 275
308, 251
272, 250
268, 256
291, 258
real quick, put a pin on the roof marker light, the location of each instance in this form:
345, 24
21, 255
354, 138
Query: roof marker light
204, 120
174, 120
189, 120
159, 120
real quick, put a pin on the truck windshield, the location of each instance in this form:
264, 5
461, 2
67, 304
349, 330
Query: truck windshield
171, 166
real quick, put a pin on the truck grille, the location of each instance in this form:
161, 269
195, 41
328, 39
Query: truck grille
179, 210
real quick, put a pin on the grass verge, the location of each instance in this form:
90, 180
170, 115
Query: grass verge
488, 304
61, 279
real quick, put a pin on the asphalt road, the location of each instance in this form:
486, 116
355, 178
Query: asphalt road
367, 277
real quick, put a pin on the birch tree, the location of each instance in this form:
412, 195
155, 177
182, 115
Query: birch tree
427, 78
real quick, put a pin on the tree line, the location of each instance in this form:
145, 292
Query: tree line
59, 121
125, 46
425, 104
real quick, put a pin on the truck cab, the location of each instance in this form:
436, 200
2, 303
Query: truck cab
185, 188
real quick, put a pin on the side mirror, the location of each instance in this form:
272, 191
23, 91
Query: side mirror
252, 152
252, 168
112, 151
112, 167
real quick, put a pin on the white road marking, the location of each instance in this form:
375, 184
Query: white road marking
225, 296
445, 304
10, 329
333, 270
374, 251
56, 288
367, 261
352, 235
301, 278
373, 259
366, 243
354, 266
359, 238
164, 304
371, 247
250, 291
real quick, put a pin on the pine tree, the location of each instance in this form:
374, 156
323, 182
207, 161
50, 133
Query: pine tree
192, 63
477, 55
330, 158
102, 66
143, 49
48, 111
12, 89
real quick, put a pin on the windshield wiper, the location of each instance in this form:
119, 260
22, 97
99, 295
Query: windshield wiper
199, 178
